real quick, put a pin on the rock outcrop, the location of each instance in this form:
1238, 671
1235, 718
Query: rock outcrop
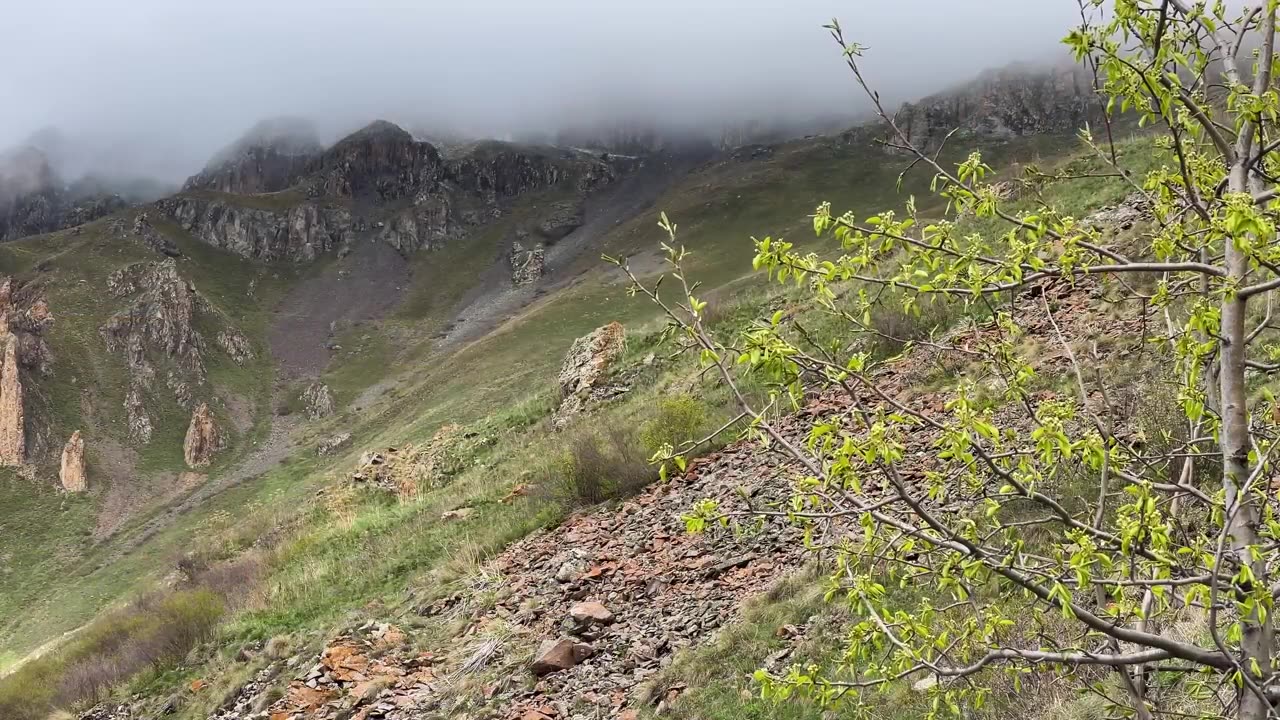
71, 471
34, 200
203, 438
1010, 102
236, 346
24, 319
156, 336
408, 195
298, 234
527, 264
318, 401
582, 374
151, 238
13, 437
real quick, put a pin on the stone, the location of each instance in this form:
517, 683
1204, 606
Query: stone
925, 684
235, 345
459, 514
562, 219
556, 655
333, 443
203, 438
587, 613
318, 401
527, 265
153, 239
71, 472
584, 368
13, 444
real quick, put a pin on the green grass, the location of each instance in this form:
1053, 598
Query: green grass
86, 391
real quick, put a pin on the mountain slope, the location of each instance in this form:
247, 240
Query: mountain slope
386, 271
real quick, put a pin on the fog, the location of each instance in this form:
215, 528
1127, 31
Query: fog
155, 87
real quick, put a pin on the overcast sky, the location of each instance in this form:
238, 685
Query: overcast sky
190, 75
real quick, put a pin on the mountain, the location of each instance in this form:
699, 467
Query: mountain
316, 407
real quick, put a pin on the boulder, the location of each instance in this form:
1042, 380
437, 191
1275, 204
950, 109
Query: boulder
556, 655
527, 264
235, 345
562, 219
582, 373
318, 401
71, 471
333, 443
203, 438
588, 613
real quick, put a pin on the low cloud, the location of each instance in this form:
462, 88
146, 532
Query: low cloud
155, 87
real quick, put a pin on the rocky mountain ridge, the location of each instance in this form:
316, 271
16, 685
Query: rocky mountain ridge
34, 200
380, 183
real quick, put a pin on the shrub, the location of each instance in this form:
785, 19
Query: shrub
598, 466
678, 420
893, 327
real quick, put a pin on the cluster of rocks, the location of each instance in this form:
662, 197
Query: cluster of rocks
317, 401
527, 264
366, 673
585, 368
1133, 209
413, 469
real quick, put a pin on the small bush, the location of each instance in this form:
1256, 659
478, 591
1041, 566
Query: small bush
894, 327
678, 420
598, 466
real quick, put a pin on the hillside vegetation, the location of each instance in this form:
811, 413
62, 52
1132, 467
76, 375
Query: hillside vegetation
493, 519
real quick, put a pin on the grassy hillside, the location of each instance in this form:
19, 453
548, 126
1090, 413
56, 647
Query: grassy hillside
322, 562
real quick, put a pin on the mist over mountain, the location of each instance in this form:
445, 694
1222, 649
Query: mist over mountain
154, 88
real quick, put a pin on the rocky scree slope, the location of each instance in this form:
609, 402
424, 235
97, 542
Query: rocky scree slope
378, 183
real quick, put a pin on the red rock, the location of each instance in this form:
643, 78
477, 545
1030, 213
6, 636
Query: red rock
556, 655
591, 612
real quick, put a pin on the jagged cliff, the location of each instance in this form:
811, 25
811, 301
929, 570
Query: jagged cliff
1009, 102
381, 181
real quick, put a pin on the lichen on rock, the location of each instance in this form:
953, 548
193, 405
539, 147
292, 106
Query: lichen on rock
584, 368
318, 401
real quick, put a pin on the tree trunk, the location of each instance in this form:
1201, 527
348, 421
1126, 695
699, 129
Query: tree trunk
1242, 508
